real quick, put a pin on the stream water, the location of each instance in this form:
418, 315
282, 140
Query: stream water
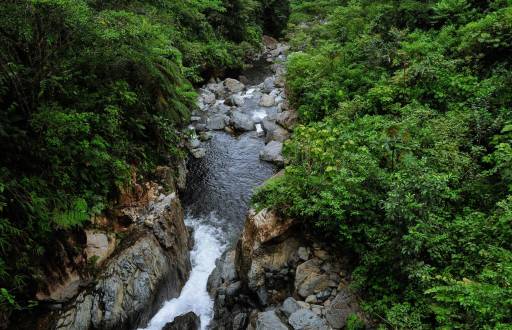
216, 202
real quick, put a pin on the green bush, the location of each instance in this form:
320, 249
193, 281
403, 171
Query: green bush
403, 153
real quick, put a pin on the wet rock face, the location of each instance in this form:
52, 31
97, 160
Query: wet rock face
189, 321
284, 280
152, 267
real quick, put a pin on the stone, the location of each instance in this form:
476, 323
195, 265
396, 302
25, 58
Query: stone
273, 152
303, 253
224, 272
269, 125
303, 304
244, 80
267, 100
280, 81
344, 304
233, 85
99, 245
305, 319
205, 136
323, 295
269, 42
217, 88
268, 85
221, 108
317, 309
290, 306
311, 299
260, 249
208, 97
241, 121
269, 321
234, 288
262, 295
217, 122
239, 321
309, 279
189, 321
321, 254
235, 101
288, 119
194, 143
195, 118
279, 134
198, 153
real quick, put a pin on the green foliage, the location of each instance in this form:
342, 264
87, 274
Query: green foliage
89, 91
404, 153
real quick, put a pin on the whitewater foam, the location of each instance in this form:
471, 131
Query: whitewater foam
210, 243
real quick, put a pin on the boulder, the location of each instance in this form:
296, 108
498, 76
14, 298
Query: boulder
198, 153
239, 321
100, 245
288, 119
268, 85
233, 85
235, 101
189, 321
217, 122
309, 279
208, 97
224, 272
268, 124
290, 306
269, 42
267, 100
269, 321
264, 245
273, 152
217, 88
303, 253
241, 121
344, 304
278, 134
305, 319
194, 143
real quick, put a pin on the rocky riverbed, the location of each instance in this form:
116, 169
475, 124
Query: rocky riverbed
213, 263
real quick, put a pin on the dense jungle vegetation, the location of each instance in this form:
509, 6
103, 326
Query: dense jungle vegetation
404, 153
90, 89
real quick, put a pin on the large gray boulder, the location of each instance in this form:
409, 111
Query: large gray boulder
278, 134
305, 319
241, 121
267, 100
233, 85
268, 85
208, 97
273, 152
217, 122
344, 304
269, 321
290, 306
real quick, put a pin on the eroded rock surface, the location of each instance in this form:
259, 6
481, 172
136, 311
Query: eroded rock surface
151, 267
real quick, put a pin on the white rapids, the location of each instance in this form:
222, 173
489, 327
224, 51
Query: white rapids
210, 243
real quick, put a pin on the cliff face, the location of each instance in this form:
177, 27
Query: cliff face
118, 272
152, 267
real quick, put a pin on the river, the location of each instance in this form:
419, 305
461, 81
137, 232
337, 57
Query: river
216, 202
